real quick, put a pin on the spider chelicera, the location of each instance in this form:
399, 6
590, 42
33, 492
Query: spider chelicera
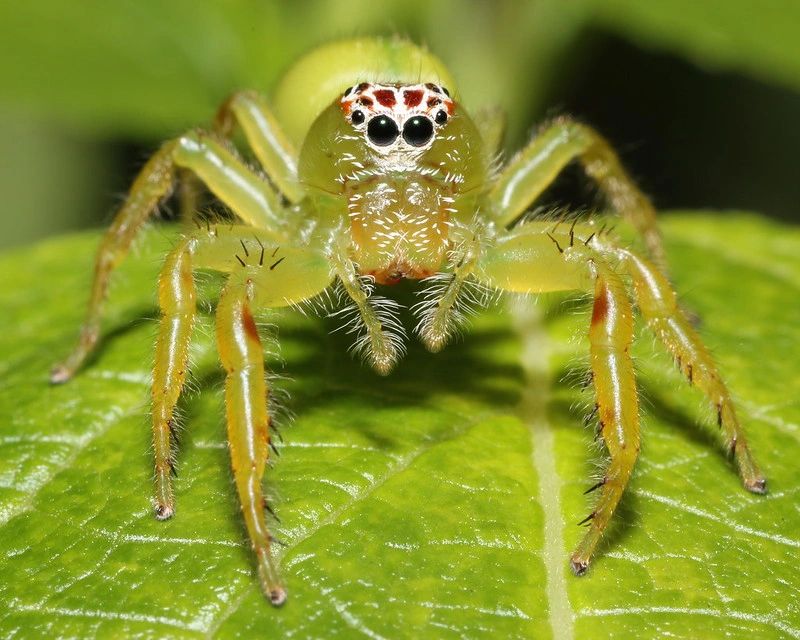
394, 180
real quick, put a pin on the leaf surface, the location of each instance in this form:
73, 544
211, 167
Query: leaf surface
438, 502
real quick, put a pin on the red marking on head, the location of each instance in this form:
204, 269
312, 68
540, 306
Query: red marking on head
412, 97
432, 102
365, 101
385, 97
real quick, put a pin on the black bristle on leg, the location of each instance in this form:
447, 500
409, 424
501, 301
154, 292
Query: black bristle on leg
278, 541
591, 414
269, 510
594, 487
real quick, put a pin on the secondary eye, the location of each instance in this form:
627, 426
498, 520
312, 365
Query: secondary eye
357, 117
418, 131
441, 117
382, 131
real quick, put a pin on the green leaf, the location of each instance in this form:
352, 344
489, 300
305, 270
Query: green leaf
438, 502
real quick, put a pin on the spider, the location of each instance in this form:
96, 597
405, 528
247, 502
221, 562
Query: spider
394, 180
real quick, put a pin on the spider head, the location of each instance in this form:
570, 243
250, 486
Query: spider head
397, 117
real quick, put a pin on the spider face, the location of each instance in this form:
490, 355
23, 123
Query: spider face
392, 118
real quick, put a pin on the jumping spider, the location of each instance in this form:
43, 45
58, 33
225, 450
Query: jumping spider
393, 181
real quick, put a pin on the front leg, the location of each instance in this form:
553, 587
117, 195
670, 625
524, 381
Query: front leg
538, 262
262, 276
529, 173
242, 356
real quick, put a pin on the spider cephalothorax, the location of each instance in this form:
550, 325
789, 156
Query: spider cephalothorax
408, 165
393, 180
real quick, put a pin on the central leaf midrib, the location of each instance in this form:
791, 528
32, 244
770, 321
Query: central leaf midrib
533, 407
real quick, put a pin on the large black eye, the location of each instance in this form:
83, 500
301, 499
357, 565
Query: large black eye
418, 131
382, 130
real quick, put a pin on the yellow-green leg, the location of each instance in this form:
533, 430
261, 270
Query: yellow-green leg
448, 297
533, 261
153, 183
177, 301
529, 173
248, 421
659, 306
616, 398
262, 275
264, 135
250, 197
373, 319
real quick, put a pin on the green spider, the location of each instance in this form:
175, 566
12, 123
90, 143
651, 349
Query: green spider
393, 181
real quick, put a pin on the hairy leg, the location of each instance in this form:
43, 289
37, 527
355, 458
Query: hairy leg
616, 401
248, 420
659, 306
264, 135
529, 173
448, 297
246, 194
225, 249
535, 261
373, 318
262, 275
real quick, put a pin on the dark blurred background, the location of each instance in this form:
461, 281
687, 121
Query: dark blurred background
701, 98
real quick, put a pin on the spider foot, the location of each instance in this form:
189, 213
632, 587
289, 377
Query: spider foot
164, 511
65, 370
271, 584
756, 485
60, 374
578, 565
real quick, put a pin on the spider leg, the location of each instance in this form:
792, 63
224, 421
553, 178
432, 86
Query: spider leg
528, 174
442, 310
242, 356
218, 248
226, 175
380, 334
658, 304
271, 276
264, 135
534, 261
610, 337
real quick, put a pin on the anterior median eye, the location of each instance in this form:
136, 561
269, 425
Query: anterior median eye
418, 131
382, 130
